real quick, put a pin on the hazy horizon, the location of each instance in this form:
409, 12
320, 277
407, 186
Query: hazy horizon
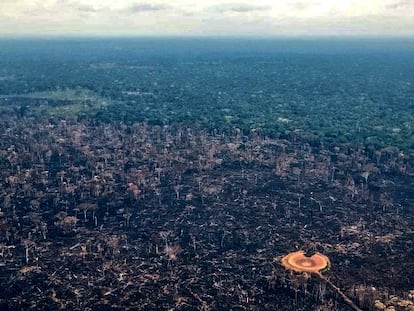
315, 37
183, 18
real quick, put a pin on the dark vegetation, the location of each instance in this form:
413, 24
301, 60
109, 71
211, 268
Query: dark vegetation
138, 182
347, 91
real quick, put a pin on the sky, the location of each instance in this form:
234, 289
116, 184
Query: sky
207, 18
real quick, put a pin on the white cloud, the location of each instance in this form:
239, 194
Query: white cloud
239, 8
140, 7
237, 17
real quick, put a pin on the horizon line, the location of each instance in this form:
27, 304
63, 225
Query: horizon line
207, 36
